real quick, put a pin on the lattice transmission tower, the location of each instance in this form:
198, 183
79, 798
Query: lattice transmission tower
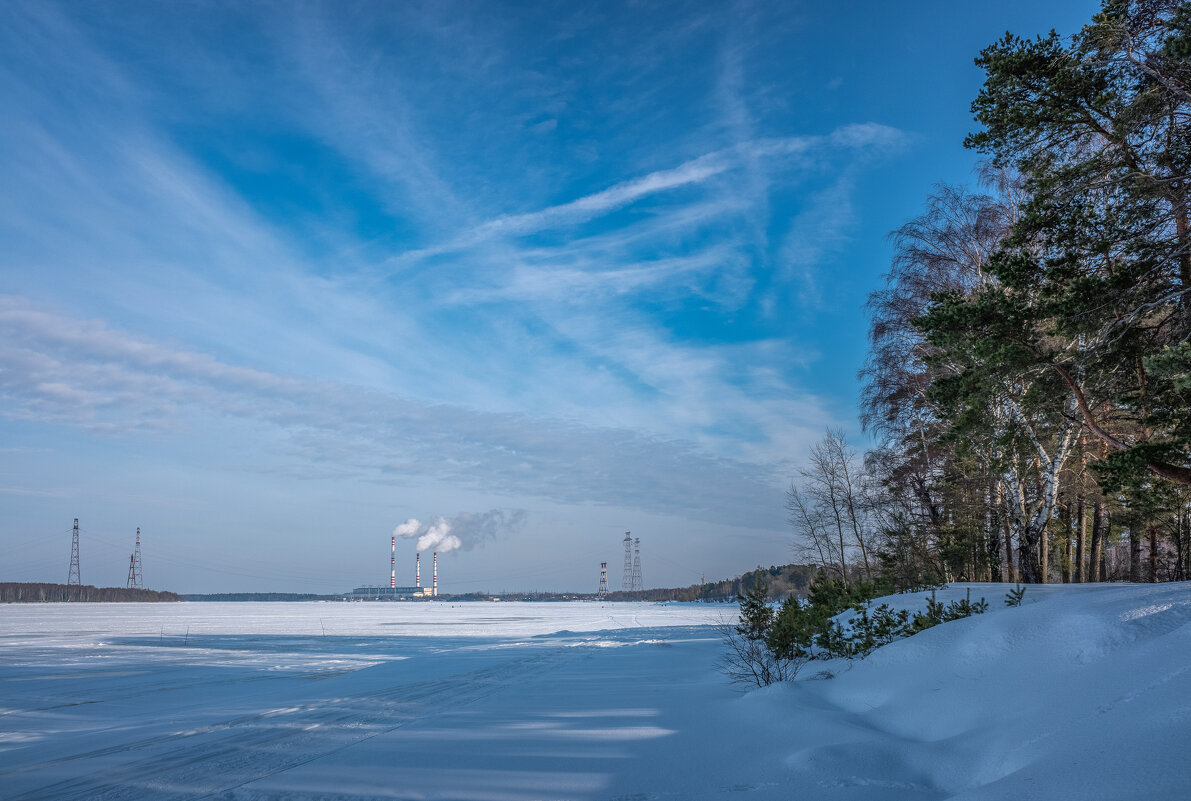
74, 577
140, 573
603, 591
136, 579
626, 583
637, 583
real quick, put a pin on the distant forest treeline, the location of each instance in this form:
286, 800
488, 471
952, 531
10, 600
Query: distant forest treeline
782, 581
261, 596
13, 592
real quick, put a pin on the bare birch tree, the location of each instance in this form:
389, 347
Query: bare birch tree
829, 511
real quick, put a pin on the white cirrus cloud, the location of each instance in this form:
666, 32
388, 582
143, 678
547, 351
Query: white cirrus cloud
87, 375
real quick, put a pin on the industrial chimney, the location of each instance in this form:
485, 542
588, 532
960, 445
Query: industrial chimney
418, 571
434, 590
393, 566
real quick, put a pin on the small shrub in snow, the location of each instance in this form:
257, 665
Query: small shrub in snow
770, 645
1014, 596
937, 613
749, 657
881, 627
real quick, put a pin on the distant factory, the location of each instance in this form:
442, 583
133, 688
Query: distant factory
395, 593
390, 593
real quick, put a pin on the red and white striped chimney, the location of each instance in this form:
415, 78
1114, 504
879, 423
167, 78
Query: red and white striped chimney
393, 565
435, 589
418, 573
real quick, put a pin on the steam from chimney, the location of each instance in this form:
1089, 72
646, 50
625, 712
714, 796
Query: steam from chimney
462, 532
435, 535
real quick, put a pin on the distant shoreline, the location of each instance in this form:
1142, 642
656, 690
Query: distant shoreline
42, 593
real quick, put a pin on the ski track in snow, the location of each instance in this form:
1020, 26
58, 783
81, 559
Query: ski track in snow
1082, 693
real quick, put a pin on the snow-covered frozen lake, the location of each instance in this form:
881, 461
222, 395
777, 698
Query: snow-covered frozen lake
1084, 692
345, 700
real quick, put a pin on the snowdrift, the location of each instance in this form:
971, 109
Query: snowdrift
1083, 692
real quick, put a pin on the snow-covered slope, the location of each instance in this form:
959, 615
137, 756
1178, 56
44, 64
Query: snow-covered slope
1081, 693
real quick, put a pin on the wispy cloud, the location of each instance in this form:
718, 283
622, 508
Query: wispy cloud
34, 493
691, 173
820, 230
582, 281
84, 374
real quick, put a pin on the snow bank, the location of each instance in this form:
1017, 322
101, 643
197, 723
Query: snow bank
1083, 692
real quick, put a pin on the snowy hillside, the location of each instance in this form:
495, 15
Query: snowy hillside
1082, 693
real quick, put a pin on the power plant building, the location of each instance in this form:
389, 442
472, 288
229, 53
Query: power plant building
393, 592
390, 593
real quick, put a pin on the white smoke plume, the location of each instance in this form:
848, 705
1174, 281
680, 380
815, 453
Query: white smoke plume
463, 532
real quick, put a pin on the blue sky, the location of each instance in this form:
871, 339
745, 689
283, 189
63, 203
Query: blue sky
276, 277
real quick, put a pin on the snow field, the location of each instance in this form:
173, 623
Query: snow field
426, 700
1084, 692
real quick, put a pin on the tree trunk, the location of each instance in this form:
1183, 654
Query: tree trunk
1064, 556
1044, 553
1028, 566
1081, 538
1010, 571
1029, 563
993, 540
1102, 557
1184, 546
1097, 541
1081, 517
1153, 554
1134, 555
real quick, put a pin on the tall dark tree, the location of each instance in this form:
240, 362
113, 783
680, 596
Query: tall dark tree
1097, 276
1028, 376
978, 438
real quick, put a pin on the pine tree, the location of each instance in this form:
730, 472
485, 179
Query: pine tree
756, 615
1097, 274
